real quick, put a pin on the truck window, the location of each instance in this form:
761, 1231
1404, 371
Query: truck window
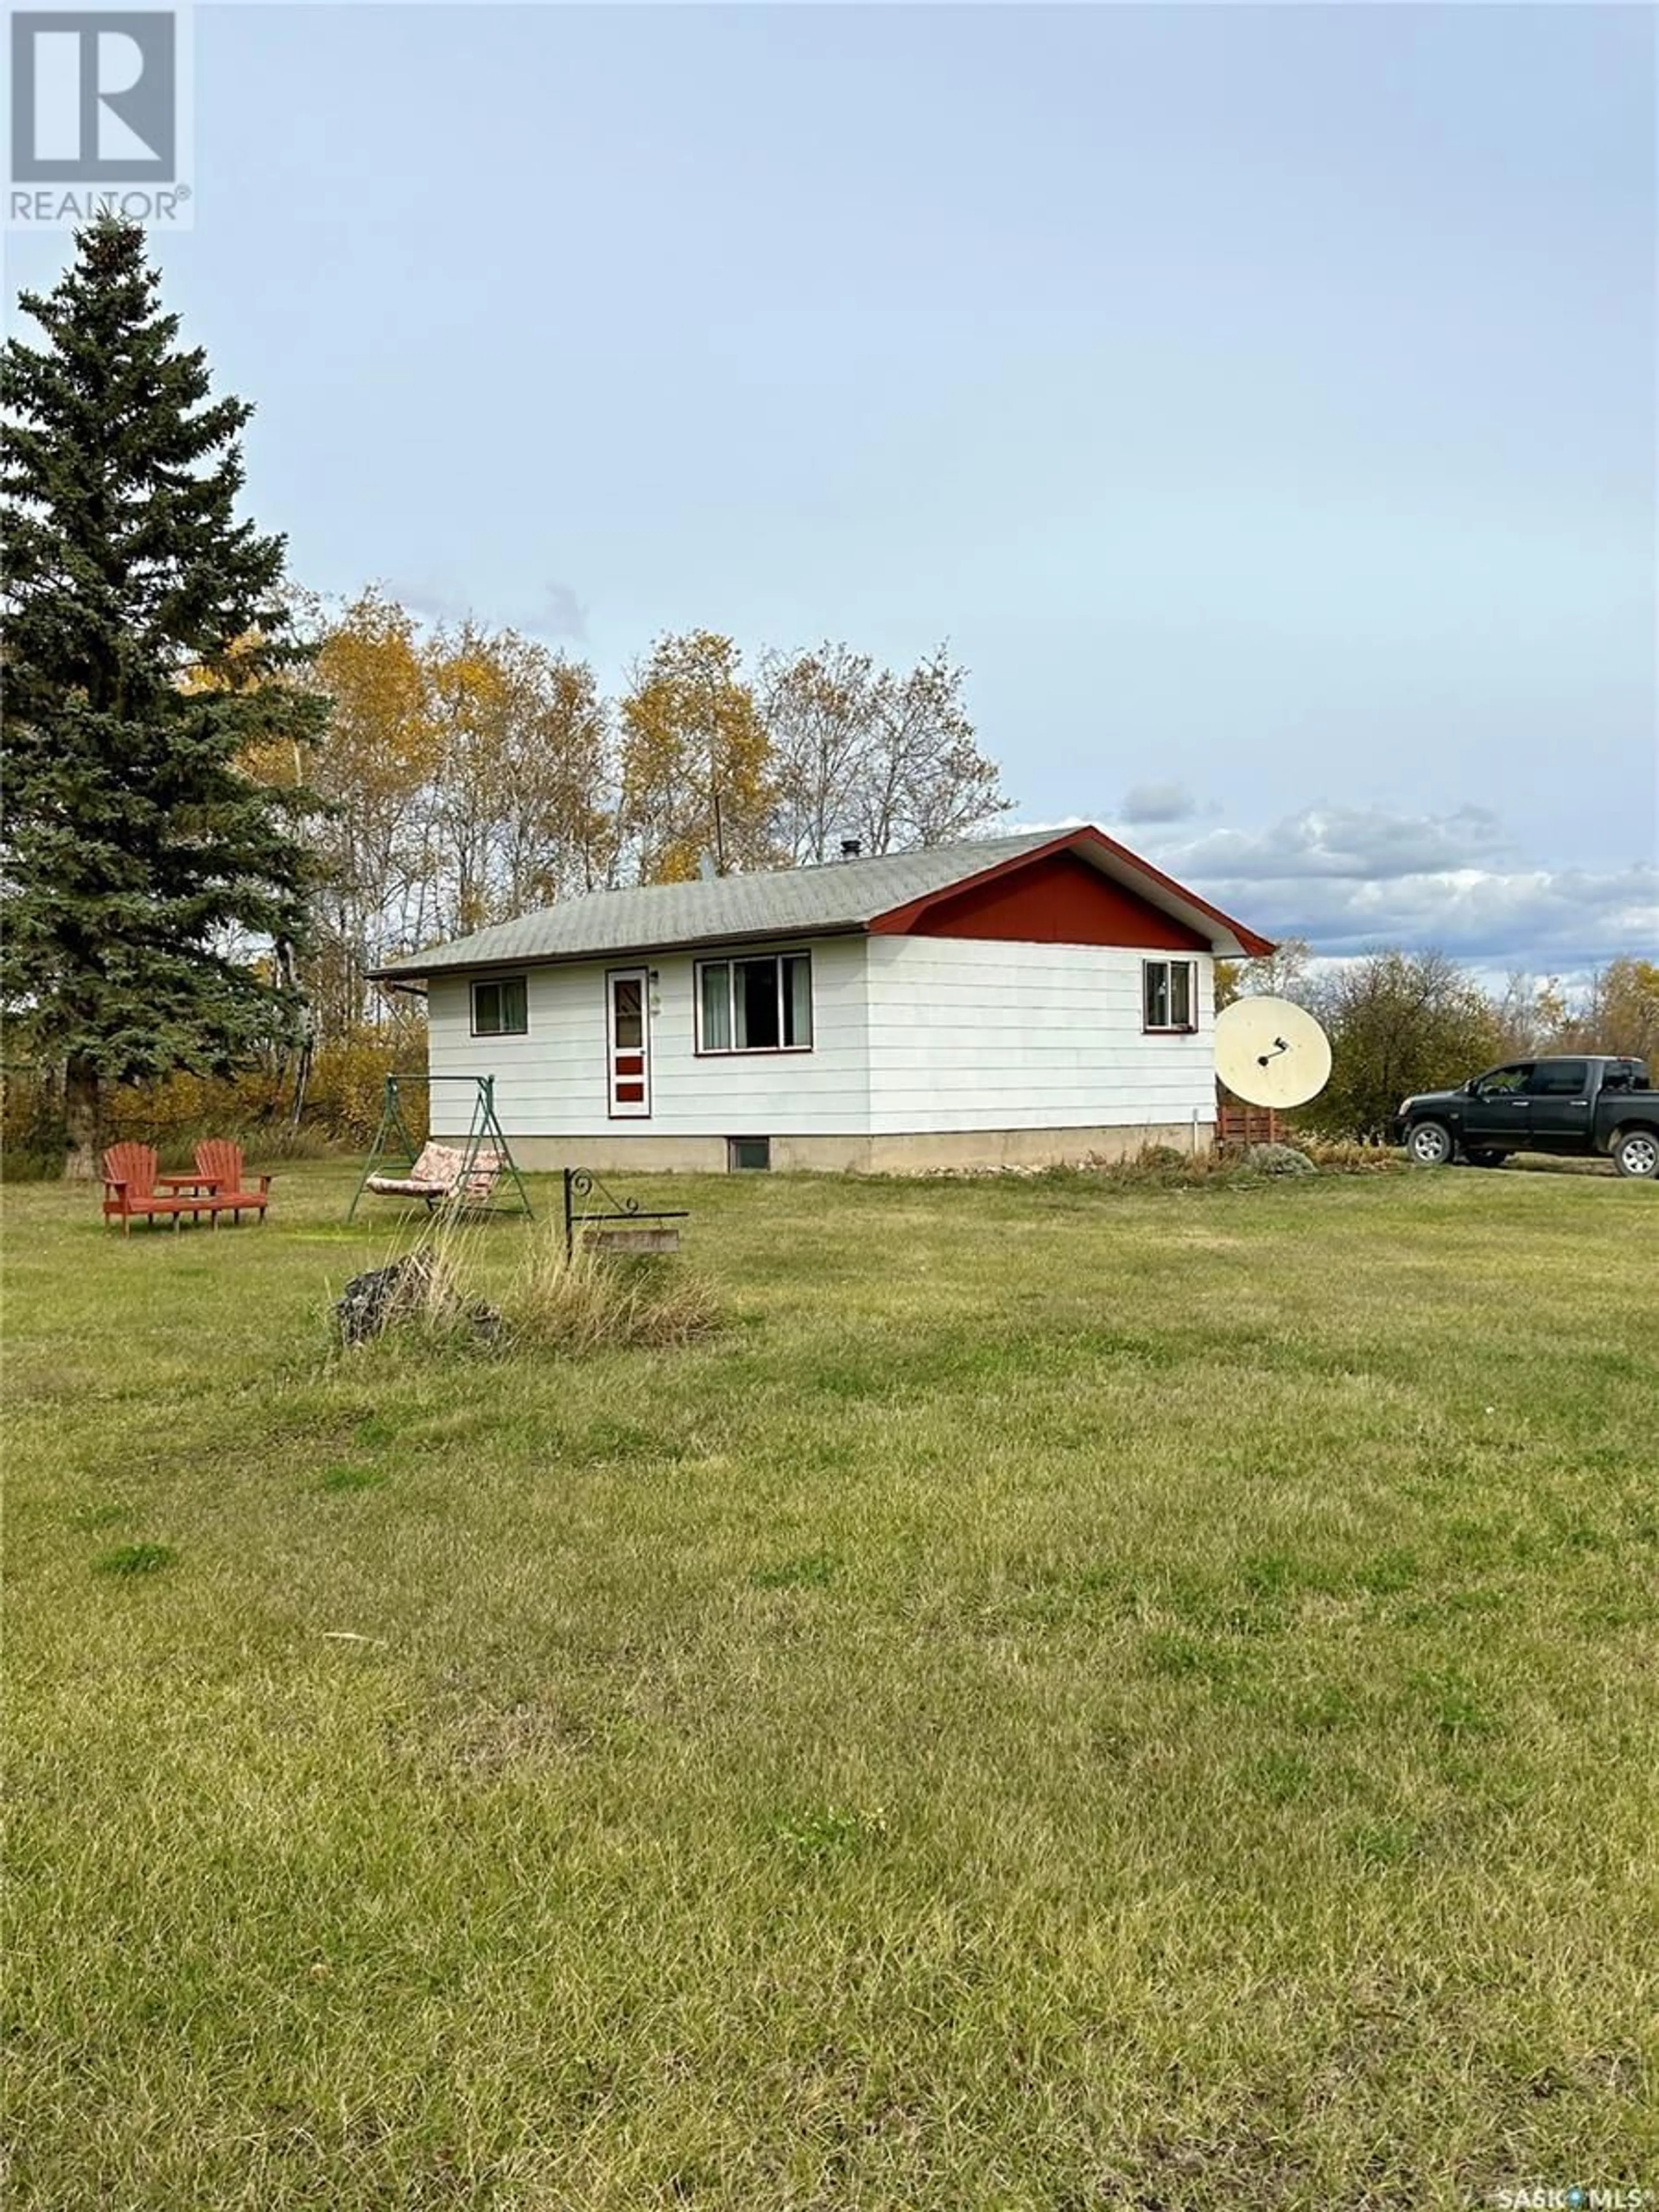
1559, 1078
1505, 1082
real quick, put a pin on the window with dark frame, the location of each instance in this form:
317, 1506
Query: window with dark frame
762, 1004
1559, 1078
501, 1007
1168, 994
748, 1154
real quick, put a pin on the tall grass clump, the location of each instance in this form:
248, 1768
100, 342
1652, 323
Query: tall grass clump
1348, 1155
585, 1301
449, 1289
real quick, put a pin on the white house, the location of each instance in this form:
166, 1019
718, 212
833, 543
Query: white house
1016, 999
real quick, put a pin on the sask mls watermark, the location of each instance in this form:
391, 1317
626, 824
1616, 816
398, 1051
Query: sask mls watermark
100, 117
1595, 2196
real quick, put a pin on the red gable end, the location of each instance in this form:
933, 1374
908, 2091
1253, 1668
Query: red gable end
1055, 899
991, 904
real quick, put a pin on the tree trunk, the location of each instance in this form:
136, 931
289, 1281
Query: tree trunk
301, 1081
82, 1118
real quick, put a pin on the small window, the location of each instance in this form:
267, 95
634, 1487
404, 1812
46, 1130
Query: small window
748, 1153
500, 1008
756, 1006
1168, 995
1560, 1078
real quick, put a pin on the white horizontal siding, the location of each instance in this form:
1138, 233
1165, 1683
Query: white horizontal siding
915, 1035
552, 1082
974, 1034
822, 1093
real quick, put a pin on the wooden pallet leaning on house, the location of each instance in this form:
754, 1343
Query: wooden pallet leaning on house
1239, 1124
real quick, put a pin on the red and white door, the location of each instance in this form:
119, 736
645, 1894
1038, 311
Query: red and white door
628, 1038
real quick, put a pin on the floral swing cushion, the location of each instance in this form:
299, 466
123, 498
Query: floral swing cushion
434, 1175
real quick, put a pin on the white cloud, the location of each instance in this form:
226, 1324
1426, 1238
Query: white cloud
433, 602
556, 613
1158, 802
1353, 879
559, 614
1359, 844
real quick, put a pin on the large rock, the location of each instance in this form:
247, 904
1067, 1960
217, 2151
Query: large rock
416, 1287
373, 1302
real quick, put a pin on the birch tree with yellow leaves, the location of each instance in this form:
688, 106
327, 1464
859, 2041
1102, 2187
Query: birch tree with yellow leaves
522, 803
695, 764
472, 773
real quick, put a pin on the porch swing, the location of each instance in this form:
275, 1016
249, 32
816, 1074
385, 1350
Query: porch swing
470, 1177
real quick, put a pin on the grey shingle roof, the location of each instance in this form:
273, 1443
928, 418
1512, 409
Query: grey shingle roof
840, 894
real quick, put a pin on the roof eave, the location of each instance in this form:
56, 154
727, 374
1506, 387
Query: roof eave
614, 954
1229, 938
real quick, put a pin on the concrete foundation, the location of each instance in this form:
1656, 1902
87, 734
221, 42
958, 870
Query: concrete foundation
909, 1152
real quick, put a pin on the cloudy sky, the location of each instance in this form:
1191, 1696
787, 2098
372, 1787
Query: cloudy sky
1259, 400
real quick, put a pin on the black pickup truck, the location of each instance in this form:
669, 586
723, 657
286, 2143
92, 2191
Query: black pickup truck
1587, 1105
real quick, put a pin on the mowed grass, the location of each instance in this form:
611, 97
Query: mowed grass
1070, 1698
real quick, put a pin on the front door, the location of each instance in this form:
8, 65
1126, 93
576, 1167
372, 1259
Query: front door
628, 1042
1499, 1111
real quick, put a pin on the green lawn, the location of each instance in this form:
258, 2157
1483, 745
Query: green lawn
1071, 1698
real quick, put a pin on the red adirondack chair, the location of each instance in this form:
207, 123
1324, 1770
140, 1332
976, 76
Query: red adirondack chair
219, 1162
133, 1189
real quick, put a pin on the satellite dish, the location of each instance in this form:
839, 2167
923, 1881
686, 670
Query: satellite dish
1271, 1053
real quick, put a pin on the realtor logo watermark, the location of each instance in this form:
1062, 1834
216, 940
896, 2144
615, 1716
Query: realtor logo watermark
100, 118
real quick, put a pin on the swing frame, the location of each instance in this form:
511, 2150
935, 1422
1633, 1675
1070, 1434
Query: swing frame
486, 1134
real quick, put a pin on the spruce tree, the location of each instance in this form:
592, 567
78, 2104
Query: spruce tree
147, 647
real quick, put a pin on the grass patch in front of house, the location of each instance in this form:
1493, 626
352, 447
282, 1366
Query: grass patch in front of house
1071, 1695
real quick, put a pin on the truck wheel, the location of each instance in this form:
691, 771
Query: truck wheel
1483, 1157
1636, 1152
1429, 1144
